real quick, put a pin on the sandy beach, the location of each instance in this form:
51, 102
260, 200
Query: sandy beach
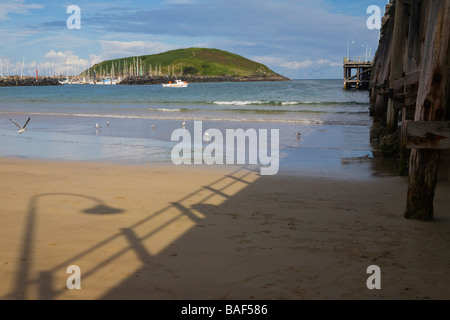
168, 232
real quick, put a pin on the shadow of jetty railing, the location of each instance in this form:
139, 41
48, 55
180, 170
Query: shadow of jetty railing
130, 237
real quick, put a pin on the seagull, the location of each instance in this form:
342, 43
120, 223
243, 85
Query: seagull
97, 126
297, 134
183, 124
21, 129
107, 124
153, 126
206, 137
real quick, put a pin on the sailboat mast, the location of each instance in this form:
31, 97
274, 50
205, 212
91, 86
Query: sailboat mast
23, 64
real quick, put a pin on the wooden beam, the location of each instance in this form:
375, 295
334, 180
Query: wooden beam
358, 74
407, 80
428, 135
432, 99
411, 91
399, 97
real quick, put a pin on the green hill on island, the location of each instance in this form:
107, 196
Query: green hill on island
184, 62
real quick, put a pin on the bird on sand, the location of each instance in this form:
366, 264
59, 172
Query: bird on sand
21, 129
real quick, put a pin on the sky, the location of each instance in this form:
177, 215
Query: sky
299, 39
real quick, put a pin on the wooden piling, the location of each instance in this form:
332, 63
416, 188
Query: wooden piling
414, 43
379, 82
433, 99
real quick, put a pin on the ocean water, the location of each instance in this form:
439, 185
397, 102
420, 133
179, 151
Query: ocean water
333, 123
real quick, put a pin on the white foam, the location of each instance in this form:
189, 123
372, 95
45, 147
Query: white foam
239, 103
165, 110
183, 116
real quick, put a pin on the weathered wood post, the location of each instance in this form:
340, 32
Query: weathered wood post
345, 74
397, 62
432, 104
380, 76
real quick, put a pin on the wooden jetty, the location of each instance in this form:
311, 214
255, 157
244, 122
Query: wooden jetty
357, 74
410, 92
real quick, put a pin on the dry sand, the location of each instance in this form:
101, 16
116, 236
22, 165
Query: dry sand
167, 232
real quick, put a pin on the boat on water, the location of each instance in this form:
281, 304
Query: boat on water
176, 84
108, 81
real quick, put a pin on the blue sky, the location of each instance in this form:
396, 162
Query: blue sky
300, 39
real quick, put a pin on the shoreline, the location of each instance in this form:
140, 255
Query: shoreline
168, 233
16, 81
327, 149
152, 80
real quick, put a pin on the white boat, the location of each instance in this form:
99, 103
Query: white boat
177, 84
107, 81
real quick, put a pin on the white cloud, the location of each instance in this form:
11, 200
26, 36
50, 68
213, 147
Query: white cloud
16, 67
267, 60
272, 62
55, 56
297, 65
67, 62
15, 6
121, 49
329, 63
61, 63
95, 59
4, 66
178, 1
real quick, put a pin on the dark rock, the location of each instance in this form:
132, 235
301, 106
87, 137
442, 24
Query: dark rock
28, 81
376, 132
390, 145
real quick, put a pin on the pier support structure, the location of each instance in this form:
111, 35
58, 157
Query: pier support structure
357, 74
411, 76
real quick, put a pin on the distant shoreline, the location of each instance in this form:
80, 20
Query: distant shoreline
198, 79
16, 81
